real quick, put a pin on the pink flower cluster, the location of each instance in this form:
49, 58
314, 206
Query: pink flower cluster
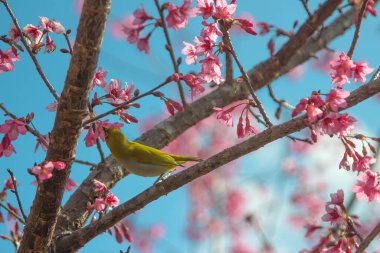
92, 135
324, 113
35, 34
224, 116
178, 16
45, 170
207, 41
335, 210
7, 59
131, 28
104, 198
344, 69
11, 129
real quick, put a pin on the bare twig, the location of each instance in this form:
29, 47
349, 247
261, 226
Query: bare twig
68, 42
16, 193
280, 102
370, 237
84, 162
31, 54
357, 30
13, 213
169, 47
304, 3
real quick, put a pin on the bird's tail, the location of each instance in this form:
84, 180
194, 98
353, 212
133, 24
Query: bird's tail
182, 159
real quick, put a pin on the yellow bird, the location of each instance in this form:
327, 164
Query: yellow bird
140, 159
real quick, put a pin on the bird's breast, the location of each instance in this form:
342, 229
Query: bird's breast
143, 169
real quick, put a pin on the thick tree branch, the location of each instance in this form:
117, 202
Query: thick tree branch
74, 214
72, 109
79, 238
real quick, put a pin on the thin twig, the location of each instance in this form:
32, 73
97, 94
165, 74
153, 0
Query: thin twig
245, 76
31, 54
304, 3
84, 162
121, 106
16, 193
13, 213
170, 49
68, 42
280, 102
370, 237
357, 30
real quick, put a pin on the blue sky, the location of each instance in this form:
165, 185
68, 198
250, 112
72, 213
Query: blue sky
23, 91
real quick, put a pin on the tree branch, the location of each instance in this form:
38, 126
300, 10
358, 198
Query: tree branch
74, 213
79, 238
72, 109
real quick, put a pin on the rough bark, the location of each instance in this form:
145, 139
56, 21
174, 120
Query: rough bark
74, 214
79, 238
67, 128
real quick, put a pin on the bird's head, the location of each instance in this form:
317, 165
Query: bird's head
113, 134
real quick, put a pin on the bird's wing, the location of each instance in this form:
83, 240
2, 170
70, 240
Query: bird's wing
148, 155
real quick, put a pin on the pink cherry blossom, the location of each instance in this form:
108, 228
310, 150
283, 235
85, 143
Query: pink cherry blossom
249, 129
203, 46
189, 52
240, 130
98, 79
12, 128
177, 17
6, 147
343, 69
206, 8
264, 28
363, 164
337, 99
141, 16
13, 33
59, 165
70, 184
211, 70
49, 45
235, 204
224, 10
99, 205
99, 186
44, 172
337, 198
52, 107
300, 107
344, 163
7, 60
111, 200
246, 25
39, 142
313, 113
92, 135
211, 31
8, 184
117, 95
370, 8
132, 32
361, 70
195, 84
334, 215
143, 44
336, 124
224, 116
51, 25
367, 187
33, 33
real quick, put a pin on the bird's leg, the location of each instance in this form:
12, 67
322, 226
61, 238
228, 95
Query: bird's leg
159, 179
163, 176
